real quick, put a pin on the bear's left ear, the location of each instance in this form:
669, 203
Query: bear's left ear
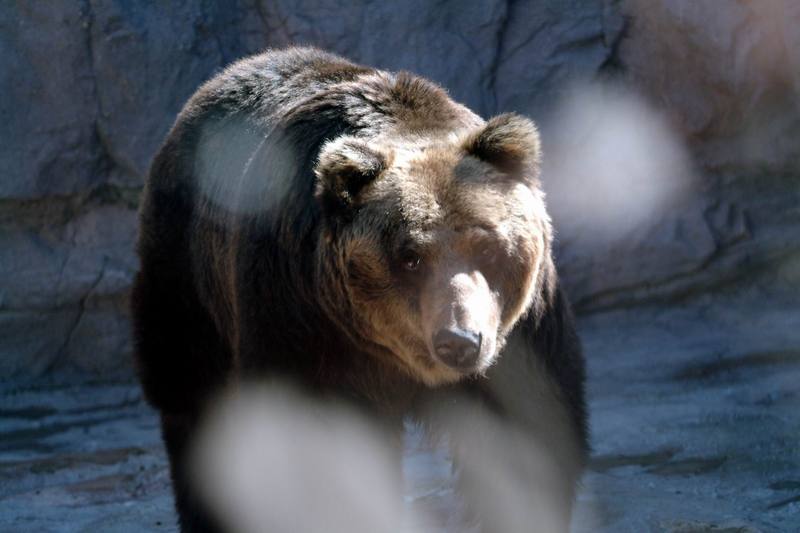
510, 143
344, 167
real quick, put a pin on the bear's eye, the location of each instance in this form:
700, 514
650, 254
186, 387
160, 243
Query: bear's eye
411, 260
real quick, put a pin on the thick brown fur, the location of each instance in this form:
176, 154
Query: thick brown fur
308, 219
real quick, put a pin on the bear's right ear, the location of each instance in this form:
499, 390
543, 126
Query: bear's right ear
344, 167
509, 142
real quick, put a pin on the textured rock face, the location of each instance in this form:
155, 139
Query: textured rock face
66, 268
729, 75
90, 89
725, 77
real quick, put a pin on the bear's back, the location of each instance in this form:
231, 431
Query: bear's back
270, 83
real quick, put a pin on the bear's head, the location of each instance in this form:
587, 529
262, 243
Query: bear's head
432, 250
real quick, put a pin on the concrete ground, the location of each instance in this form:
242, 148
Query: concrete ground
695, 410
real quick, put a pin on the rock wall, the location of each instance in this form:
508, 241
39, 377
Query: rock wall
724, 75
90, 89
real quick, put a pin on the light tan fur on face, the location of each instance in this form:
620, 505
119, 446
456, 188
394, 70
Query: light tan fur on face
461, 299
481, 230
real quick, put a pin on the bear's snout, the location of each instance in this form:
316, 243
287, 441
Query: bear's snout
460, 318
457, 348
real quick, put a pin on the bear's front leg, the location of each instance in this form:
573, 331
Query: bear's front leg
179, 432
514, 443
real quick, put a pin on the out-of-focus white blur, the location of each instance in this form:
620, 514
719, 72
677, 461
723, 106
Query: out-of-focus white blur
611, 162
509, 479
271, 460
244, 170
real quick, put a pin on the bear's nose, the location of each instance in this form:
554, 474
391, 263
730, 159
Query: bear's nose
457, 348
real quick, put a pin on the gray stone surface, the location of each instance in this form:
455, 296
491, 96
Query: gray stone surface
727, 73
82, 459
48, 107
65, 275
695, 416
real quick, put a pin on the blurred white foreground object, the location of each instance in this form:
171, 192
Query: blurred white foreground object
271, 460
611, 163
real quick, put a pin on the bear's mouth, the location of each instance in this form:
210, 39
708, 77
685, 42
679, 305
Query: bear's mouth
416, 359
434, 371
420, 361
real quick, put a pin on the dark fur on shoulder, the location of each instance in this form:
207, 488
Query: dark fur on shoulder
304, 220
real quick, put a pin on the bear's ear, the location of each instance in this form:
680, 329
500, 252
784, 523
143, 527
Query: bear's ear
509, 142
344, 167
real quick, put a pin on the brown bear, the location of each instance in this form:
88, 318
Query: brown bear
360, 234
